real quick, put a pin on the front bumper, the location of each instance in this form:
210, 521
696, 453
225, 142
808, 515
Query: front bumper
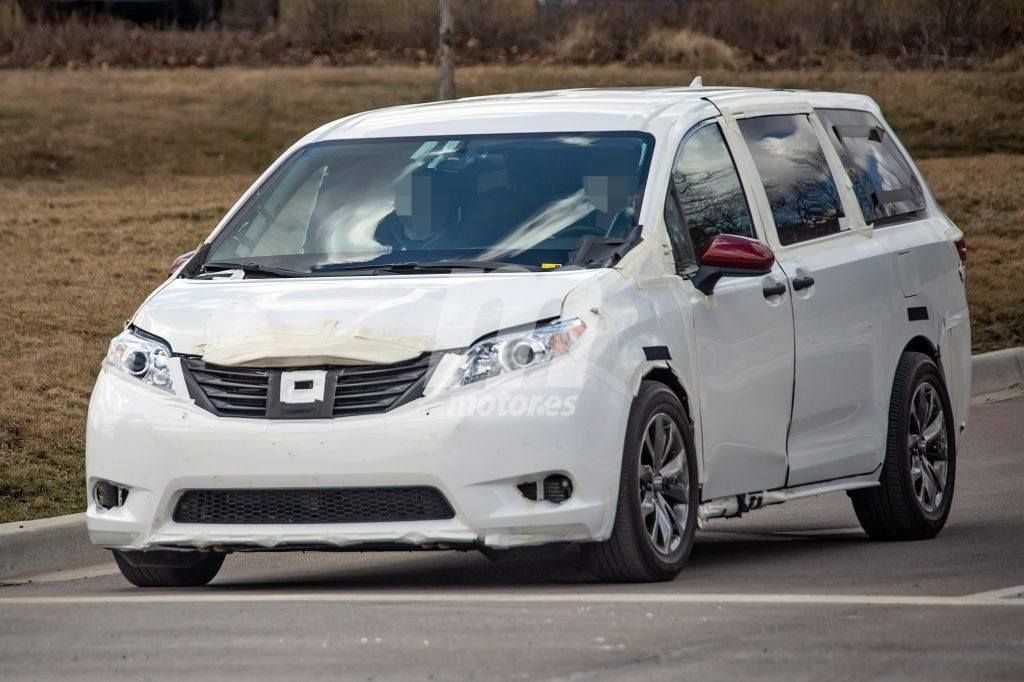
464, 443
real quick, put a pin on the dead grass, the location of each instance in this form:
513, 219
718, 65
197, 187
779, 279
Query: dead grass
84, 254
687, 48
94, 123
982, 195
105, 176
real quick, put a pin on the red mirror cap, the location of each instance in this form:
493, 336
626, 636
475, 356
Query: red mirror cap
179, 261
737, 253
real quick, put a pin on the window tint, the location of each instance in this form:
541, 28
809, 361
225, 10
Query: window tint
886, 188
801, 191
708, 189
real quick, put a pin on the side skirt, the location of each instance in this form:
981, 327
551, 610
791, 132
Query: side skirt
736, 505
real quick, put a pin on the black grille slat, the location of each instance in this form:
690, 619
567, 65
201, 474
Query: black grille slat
372, 408
312, 505
229, 386
378, 405
351, 390
240, 410
404, 378
344, 391
229, 397
235, 405
253, 378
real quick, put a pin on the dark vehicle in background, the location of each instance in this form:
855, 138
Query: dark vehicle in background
185, 13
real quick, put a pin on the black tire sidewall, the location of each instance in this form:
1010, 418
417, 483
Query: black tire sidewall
654, 398
922, 369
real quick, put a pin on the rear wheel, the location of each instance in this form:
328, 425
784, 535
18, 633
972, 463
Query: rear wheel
656, 514
168, 568
916, 491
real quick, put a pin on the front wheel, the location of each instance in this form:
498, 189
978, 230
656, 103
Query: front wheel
168, 568
915, 493
656, 513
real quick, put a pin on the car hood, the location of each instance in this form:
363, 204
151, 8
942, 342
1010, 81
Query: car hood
347, 320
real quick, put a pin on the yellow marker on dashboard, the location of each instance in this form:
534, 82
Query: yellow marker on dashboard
550, 266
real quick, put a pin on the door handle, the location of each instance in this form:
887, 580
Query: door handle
803, 283
777, 290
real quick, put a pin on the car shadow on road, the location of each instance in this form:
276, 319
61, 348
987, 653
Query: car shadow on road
564, 567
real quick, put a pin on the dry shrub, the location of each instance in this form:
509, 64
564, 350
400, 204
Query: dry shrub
583, 43
1013, 60
928, 33
117, 43
766, 33
483, 27
689, 48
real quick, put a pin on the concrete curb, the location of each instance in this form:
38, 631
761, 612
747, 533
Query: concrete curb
31, 547
997, 375
34, 547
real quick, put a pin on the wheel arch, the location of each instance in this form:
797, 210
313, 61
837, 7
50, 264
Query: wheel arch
666, 376
922, 344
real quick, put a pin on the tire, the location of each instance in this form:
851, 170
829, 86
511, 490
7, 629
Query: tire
919, 470
647, 492
168, 569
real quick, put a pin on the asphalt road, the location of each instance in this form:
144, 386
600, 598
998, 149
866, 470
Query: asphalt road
793, 592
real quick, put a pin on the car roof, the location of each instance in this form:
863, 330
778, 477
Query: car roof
647, 109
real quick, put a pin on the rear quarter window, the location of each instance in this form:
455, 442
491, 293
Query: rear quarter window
886, 187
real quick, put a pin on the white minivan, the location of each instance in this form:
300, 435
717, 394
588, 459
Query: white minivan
586, 316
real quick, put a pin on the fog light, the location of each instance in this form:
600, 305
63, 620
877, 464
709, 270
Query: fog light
557, 488
108, 495
554, 488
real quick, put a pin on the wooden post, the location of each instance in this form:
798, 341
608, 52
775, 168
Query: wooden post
445, 55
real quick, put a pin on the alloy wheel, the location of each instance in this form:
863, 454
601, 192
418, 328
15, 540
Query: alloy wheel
664, 484
927, 446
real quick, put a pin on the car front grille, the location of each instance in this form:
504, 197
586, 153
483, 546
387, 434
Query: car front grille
375, 388
232, 391
253, 392
312, 505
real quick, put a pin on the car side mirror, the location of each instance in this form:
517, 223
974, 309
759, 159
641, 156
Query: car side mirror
729, 255
179, 261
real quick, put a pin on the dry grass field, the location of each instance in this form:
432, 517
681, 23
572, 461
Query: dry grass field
106, 175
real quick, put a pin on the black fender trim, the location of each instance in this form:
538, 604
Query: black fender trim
657, 353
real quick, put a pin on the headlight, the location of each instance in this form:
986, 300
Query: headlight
142, 358
518, 350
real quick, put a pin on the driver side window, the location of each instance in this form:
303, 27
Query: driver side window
707, 192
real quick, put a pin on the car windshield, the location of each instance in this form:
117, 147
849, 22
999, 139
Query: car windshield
518, 199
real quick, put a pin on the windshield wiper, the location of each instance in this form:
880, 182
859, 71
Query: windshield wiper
426, 266
484, 265
251, 269
604, 252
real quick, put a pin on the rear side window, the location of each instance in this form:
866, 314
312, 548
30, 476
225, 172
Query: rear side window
707, 187
801, 191
886, 188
